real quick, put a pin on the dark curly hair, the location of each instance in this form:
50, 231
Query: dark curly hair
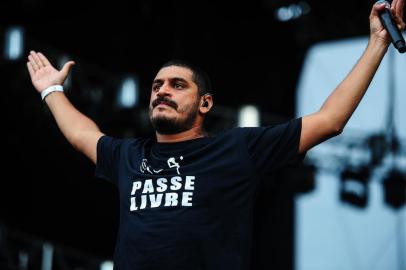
200, 77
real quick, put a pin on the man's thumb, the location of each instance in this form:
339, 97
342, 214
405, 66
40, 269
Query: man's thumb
67, 67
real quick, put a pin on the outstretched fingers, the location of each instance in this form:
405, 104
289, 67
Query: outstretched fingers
37, 59
30, 69
44, 59
36, 62
33, 63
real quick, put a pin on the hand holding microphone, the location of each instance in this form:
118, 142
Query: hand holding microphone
391, 17
390, 25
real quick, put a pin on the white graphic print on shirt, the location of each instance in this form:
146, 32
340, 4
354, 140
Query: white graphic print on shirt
162, 192
146, 168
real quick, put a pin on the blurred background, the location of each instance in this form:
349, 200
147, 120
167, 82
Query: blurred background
269, 60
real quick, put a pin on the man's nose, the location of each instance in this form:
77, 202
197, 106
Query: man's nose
164, 90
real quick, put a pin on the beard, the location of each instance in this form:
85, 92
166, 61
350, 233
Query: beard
169, 126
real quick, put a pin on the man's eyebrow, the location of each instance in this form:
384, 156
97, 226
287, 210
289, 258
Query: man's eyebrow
157, 81
171, 79
179, 79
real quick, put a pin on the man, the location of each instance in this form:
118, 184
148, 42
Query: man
186, 199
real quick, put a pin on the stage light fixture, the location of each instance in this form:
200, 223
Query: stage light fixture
107, 265
47, 256
248, 116
128, 93
378, 147
292, 12
354, 186
394, 185
14, 43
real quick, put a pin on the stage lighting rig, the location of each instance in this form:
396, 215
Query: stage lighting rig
394, 185
354, 186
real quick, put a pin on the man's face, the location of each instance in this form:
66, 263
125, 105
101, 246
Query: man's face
174, 102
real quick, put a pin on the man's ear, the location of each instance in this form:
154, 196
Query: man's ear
206, 104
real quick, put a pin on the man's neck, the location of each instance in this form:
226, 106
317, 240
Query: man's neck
193, 133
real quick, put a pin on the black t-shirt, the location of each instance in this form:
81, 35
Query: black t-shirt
188, 205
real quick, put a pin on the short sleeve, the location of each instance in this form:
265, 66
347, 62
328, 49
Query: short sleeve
108, 156
273, 147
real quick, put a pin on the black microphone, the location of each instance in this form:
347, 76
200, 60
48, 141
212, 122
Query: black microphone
390, 26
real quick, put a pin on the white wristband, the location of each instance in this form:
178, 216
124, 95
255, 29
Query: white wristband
51, 89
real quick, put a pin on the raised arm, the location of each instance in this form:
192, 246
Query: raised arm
340, 105
78, 129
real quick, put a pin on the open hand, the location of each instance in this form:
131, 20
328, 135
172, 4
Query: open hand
43, 74
377, 30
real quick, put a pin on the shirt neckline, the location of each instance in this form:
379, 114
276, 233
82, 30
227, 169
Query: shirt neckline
180, 144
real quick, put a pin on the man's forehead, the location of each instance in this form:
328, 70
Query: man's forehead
174, 72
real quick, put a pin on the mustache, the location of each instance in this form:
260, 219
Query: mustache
165, 100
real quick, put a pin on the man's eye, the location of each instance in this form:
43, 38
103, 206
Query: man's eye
178, 86
156, 87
